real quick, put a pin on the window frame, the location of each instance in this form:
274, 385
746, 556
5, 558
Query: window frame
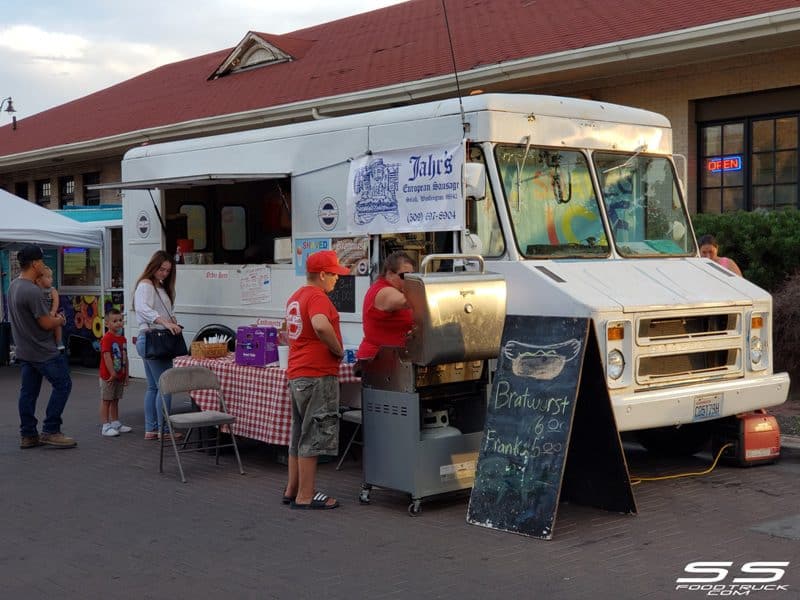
66, 197
748, 159
43, 191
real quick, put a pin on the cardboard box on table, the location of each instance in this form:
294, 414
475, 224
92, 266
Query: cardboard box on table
256, 346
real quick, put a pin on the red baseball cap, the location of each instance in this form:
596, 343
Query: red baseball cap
325, 261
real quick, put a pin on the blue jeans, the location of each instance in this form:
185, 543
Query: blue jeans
153, 415
56, 371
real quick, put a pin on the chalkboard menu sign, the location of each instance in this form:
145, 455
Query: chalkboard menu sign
526, 439
343, 295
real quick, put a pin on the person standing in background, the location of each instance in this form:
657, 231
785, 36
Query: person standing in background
113, 374
315, 351
152, 300
32, 327
709, 249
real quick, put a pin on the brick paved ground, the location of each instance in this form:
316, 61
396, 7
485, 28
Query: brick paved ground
99, 521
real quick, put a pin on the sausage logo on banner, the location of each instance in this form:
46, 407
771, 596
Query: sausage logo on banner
402, 191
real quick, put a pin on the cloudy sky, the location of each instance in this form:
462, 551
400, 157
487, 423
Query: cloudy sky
52, 52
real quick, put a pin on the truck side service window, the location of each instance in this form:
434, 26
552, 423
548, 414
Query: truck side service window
482, 216
80, 267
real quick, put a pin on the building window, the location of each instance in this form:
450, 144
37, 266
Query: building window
721, 183
66, 191
774, 169
21, 189
91, 197
749, 164
43, 191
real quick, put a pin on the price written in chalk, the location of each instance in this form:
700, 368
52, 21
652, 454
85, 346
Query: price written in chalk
533, 444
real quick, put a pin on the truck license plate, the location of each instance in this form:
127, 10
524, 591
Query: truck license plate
707, 407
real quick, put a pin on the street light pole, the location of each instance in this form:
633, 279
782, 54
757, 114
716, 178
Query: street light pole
9, 104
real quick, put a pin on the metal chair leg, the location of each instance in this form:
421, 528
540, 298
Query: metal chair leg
347, 448
236, 451
175, 448
219, 441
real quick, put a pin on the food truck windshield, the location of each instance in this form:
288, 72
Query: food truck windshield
643, 205
555, 211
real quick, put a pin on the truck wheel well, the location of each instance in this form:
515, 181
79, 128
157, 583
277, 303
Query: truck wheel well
217, 329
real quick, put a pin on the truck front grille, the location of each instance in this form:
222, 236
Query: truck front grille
676, 349
661, 329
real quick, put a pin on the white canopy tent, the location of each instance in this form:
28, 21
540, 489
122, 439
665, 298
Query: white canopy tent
24, 222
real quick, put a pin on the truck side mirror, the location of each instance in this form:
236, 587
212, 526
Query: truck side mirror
474, 181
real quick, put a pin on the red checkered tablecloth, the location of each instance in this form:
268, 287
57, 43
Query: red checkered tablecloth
257, 396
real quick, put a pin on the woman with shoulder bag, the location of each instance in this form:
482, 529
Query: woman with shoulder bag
152, 301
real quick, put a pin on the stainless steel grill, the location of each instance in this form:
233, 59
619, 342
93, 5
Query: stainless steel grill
458, 325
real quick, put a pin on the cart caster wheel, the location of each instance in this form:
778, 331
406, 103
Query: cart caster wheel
414, 509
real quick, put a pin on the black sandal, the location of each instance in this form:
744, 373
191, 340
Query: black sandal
318, 502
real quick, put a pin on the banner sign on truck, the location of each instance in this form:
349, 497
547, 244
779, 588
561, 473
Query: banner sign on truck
404, 191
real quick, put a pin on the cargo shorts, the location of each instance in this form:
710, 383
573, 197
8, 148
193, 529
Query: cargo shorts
111, 390
315, 416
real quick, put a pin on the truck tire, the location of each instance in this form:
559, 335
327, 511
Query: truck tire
683, 440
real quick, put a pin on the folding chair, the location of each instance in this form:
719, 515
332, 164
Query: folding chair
351, 415
189, 379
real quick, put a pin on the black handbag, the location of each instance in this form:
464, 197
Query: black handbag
162, 344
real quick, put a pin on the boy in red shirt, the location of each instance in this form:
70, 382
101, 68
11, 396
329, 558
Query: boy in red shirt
113, 374
315, 351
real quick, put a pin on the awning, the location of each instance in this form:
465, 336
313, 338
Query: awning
187, 181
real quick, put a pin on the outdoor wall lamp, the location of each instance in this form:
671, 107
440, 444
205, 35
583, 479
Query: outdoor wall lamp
9, 104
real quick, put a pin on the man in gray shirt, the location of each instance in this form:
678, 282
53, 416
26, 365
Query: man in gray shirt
32, 328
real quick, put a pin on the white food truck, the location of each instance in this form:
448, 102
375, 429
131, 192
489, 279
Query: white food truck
577, 203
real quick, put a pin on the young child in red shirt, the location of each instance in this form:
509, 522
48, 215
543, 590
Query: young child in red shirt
113, 374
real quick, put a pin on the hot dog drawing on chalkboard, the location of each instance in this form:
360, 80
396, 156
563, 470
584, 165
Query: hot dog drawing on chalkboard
540, 362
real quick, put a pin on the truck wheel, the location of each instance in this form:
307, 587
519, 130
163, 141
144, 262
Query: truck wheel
683, 440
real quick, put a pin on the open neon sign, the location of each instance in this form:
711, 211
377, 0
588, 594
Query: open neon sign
724, 163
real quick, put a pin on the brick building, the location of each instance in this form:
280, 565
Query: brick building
727, 77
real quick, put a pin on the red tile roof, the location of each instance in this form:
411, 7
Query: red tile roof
401, 43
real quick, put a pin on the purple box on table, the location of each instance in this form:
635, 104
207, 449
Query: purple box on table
256, 346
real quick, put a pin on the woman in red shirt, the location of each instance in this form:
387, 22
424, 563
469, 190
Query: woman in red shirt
386, 315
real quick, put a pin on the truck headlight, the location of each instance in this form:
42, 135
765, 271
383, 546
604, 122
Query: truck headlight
756, 349
615, 364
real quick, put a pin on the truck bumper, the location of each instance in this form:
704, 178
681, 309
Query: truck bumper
676, 406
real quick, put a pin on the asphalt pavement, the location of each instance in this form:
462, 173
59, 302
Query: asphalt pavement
100, 521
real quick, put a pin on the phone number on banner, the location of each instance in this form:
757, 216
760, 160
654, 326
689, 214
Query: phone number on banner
430, 216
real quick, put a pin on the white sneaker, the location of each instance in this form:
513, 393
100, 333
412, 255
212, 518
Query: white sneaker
120, 427
108, 430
